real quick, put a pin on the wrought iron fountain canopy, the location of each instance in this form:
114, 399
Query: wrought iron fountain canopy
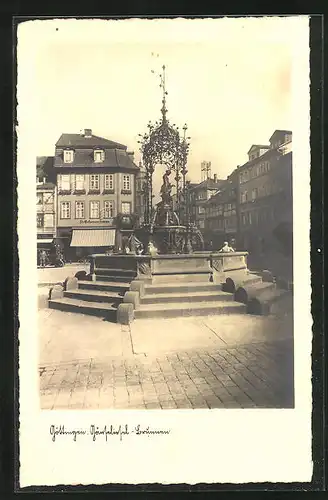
168, 227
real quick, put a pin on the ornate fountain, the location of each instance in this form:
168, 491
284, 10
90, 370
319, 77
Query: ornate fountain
167, 228
167, 247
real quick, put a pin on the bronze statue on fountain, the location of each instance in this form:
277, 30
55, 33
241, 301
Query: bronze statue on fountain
167, 228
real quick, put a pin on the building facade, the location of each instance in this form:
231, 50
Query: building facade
95, 183
45, 212
222, 215
140, 193
265, 200
199, 194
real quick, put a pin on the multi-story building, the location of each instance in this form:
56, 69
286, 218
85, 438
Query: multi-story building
221, 210
265, 199
140, 193
45, 202
95, 182
198, 196
45, 213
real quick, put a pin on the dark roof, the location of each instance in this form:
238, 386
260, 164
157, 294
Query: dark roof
260, 146
84, 158
217, 195
279, 132
265, 156
79, 140
209, 184
46, 185
44, 167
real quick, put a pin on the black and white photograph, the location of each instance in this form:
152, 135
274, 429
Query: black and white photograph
161, 249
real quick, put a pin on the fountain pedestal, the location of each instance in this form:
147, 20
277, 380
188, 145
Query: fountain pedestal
202, 266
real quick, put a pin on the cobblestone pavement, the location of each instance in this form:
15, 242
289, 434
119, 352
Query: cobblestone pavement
206, 366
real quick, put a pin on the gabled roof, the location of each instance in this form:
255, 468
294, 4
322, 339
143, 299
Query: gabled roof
222, 189
79, 140
259, 159
83, 157
45, 186
209, 184
280, 132
258, 146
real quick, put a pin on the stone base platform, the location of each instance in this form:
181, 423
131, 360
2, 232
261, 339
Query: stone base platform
124, 287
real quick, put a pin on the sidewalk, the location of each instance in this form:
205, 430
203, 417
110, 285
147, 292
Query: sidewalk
232, 361
51, 275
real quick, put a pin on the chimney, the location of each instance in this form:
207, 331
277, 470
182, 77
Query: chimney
87, 132
215, 178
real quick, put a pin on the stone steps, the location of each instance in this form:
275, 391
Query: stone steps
176, 309
95, 296
186, 296
252, 290
105, 286
115, 272
201, 277
104, 310
181, 288
114, 278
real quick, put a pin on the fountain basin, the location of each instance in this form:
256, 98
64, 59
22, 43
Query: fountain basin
200, 266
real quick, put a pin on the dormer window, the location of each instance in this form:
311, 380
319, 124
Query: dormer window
68, 155
99, 155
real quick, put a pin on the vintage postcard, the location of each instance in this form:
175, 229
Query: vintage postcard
163, 224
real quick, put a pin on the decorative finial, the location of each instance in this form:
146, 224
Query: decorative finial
163, 87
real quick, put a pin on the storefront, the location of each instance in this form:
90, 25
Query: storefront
88, 240
43, 244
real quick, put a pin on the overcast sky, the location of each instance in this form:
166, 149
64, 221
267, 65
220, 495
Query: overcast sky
228, 79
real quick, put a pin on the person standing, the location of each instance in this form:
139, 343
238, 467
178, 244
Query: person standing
43, 258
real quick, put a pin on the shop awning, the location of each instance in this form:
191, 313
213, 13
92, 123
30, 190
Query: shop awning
45, 240
93, 238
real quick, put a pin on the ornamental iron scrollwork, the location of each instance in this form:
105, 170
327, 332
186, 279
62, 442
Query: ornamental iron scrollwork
163, 145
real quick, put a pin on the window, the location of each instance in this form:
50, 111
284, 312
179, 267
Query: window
39, 199
65, 210
94, 209
49, 221
94, 182
126, 183
65, 183
39, 220
79, 182
68, 156
201, 224
244, 197
108, 209
126, 207
98, 155
79, 210
201, 210
254, 194
109, 182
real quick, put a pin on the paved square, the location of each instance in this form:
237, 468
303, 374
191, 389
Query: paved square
231, 361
